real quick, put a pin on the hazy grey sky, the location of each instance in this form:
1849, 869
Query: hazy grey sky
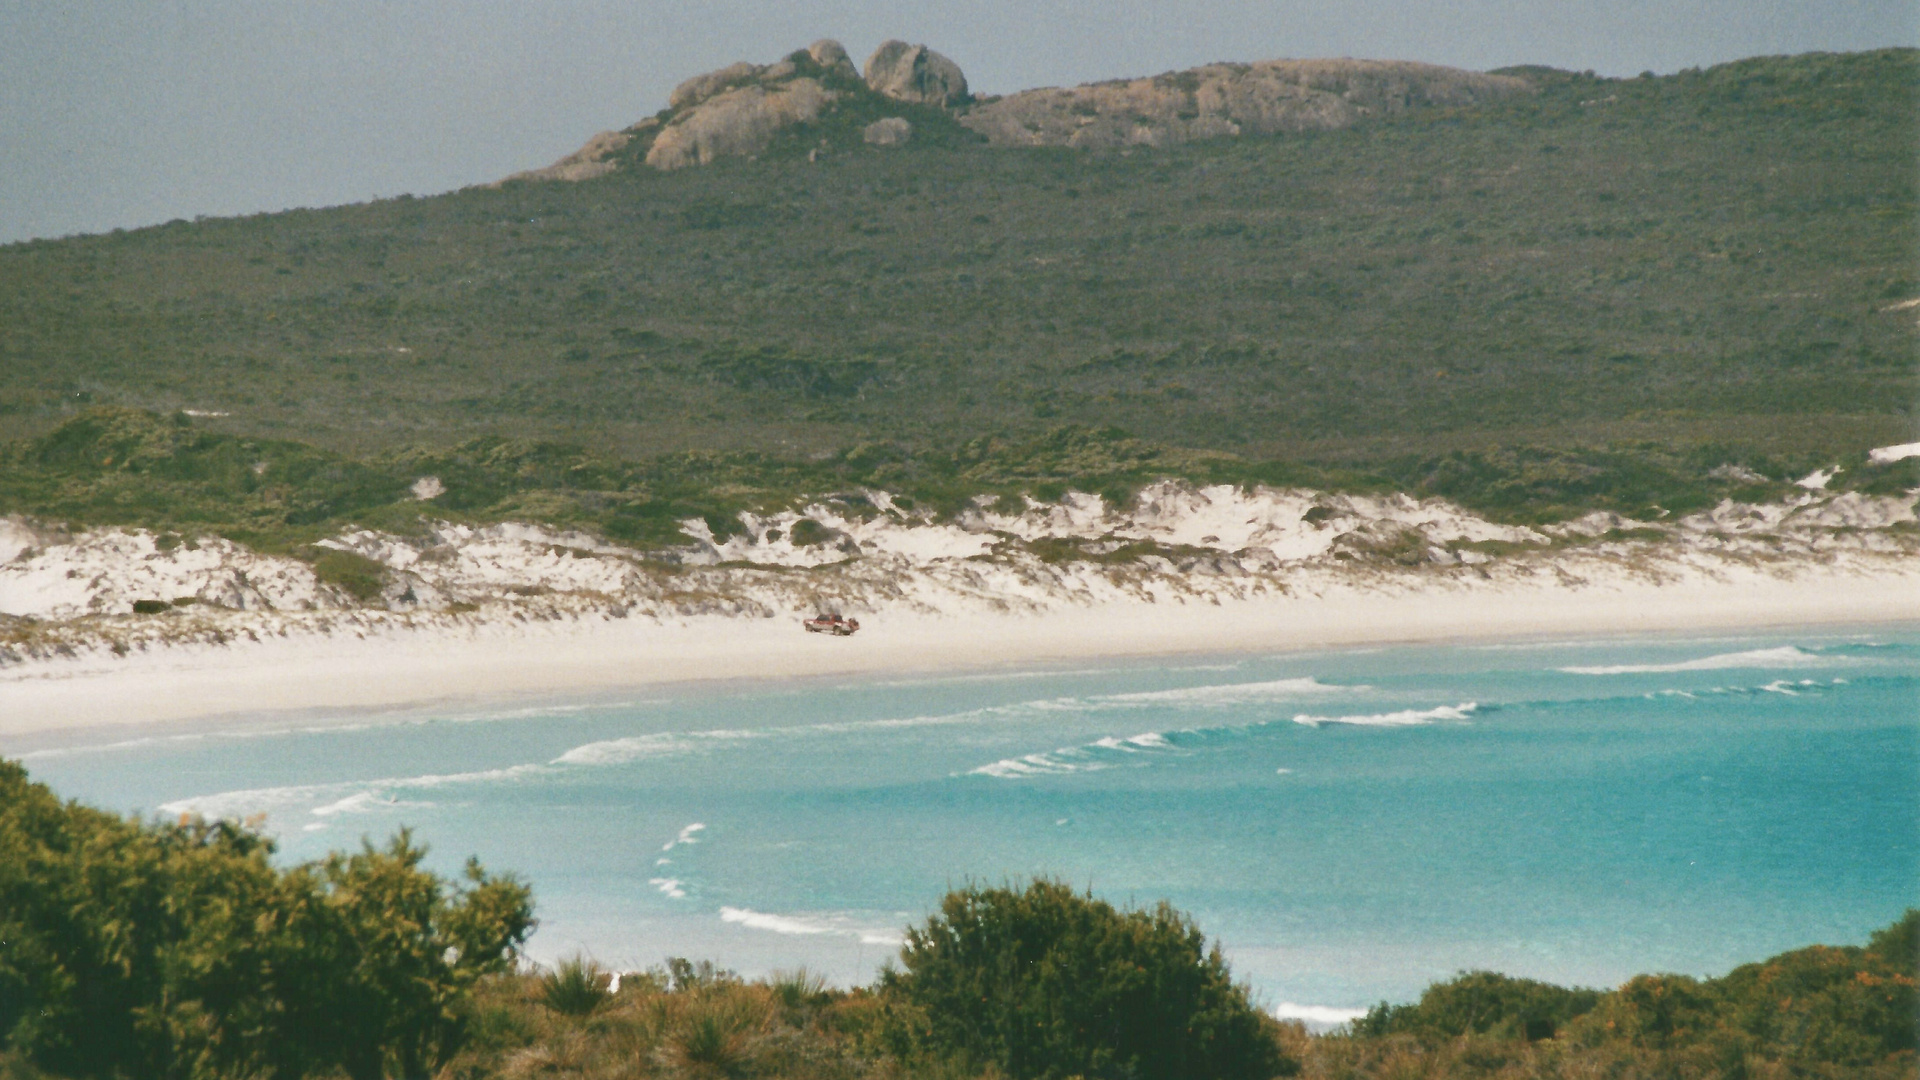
131, 112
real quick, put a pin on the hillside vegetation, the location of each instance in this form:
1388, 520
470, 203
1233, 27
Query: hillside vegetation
124, 467
1678, 271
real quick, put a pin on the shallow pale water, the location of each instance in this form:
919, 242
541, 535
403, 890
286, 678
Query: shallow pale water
1351, 825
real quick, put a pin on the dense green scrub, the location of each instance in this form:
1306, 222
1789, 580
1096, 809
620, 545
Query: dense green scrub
1703, 259
171, 474
1049, 979
158, 950
152, 950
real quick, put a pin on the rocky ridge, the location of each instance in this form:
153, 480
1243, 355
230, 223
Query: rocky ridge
737, 111
1230, 99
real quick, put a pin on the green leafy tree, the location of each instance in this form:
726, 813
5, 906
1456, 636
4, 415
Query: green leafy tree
179, 950
1045, 983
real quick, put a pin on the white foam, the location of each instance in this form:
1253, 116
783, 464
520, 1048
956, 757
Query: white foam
1784, 656
1231, 693
1074, 759
1317, 1015
838, 925
621, 751
669, 887
687, 836
1887, 455
1133, 744
1053, 764
239, 804
1403, 718
364, 802
779, 924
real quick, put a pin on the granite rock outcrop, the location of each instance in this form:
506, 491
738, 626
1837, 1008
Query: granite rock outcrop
738, 110
739, 122
891, 131
1229, 99
916, 74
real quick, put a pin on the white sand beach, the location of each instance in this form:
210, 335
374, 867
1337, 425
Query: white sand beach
400, 666
514, 610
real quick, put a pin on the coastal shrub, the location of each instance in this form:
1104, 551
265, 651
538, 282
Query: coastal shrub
178, 950
684, 975
1482, 1003
718, 1031
799, 990
122, 467
360, 577
1043, 983
1837, 1004
575, 987
807, 532
1816, 1010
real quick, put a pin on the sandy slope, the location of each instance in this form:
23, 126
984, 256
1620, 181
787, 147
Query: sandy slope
517, 610
400, 667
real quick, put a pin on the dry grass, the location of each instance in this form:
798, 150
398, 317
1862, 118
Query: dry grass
718, 1029
793, 1027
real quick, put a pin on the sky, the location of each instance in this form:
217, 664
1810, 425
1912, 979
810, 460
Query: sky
121, 113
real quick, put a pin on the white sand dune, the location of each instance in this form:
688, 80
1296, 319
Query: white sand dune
474, 613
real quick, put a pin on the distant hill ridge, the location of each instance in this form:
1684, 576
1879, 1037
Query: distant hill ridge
739, 110
1677, 272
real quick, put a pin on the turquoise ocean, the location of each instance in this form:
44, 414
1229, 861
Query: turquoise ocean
1350, 825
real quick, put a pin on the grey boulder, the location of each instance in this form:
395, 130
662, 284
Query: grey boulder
832, 55
701, 87
736, 123
915, 73
891, 131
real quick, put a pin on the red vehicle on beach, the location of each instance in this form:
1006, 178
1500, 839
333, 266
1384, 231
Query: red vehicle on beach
831, 624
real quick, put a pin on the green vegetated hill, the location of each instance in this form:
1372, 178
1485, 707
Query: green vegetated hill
117, 466
1605, 278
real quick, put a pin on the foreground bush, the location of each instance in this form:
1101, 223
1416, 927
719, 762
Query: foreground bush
1047, 983
1482, 1003
1822, 1010
134, 950
148, 950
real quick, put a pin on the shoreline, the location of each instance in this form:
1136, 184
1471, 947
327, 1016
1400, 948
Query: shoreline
448, 667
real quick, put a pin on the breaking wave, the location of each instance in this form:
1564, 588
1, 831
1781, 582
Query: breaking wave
665, 744
349, 796
838, 925
1786, 656
1094, 756
1228, 694
1117, 752
1317, 1016
1403, 718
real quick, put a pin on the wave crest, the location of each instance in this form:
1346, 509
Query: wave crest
336, 797
1229, 693
837, 925
1403, 718
1786, 656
